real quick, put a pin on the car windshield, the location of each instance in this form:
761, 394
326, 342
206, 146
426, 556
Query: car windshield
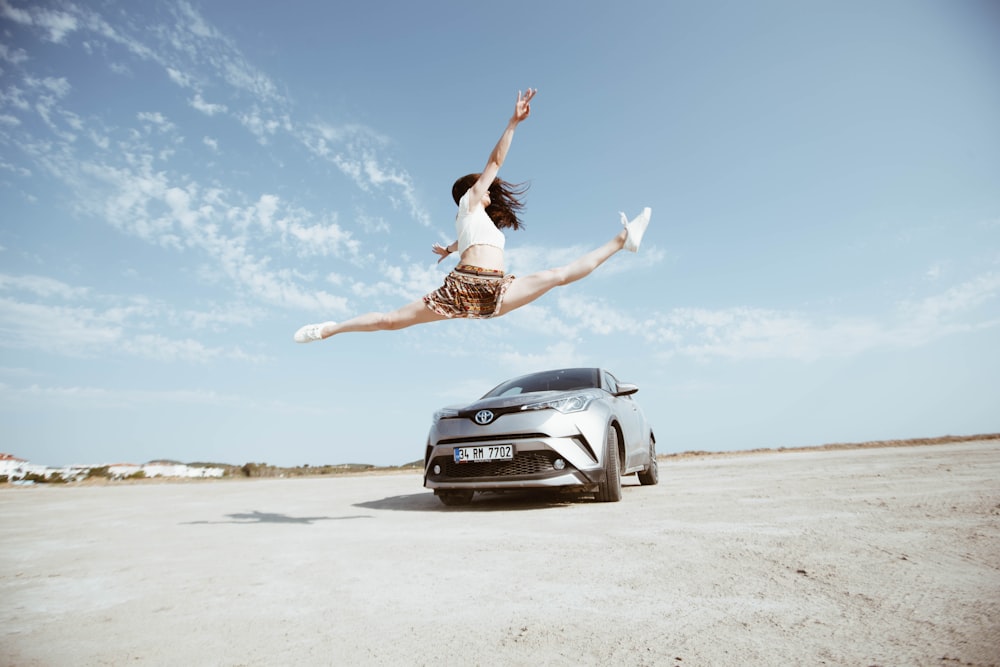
562, 380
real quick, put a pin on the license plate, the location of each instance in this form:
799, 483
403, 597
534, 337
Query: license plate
484, 453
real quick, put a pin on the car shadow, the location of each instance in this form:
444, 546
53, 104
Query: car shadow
528, 499
256, 517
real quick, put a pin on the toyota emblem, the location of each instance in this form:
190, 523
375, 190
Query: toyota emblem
483, 417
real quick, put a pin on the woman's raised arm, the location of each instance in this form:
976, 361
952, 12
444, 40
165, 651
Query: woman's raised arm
522, 109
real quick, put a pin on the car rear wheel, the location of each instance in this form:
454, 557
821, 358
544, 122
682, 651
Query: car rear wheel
610, 490
453, 498
651, 475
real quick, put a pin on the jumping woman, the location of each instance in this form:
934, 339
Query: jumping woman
478, 288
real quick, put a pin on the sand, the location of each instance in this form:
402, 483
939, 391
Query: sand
854, 557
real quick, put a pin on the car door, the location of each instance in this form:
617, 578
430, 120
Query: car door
632, 422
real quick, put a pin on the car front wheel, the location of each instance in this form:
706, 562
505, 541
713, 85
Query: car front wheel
453, 498
610, 490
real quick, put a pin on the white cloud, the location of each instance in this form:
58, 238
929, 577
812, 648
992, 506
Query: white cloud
742, 333
195, 22
42, 286
14, 97
91, 397
133, 189
265, 209
170, 350
57, 86
404, 283
950, 311
206, 108
221, 318
15, 169
161, 348
596, 316
558, 355
540, 319
373, 225
271, 215
353, 149
15, 14
753, 333
157, 119
70, 331
320, 239
88, 331
749, 333
178, 77
12, 55
262, 125
56, 24
379, 175
141, 201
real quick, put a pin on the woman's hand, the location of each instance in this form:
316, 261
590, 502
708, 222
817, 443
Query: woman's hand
522, 109
440, 250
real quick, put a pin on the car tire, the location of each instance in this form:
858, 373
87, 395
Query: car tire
455, 498
610, 490
651, 475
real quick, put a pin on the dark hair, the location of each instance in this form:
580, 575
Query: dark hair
505, 202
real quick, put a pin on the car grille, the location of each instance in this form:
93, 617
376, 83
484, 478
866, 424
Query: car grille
526, 463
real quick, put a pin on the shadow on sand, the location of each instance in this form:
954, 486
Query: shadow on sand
256, 517
483, 502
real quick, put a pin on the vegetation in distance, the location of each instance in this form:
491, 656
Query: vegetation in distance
265, 470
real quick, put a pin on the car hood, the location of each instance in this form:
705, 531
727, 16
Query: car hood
507, 402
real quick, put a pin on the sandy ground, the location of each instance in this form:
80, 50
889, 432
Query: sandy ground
865, 557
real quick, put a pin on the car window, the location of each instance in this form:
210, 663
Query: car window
561, 380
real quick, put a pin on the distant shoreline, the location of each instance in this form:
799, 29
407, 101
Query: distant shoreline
873, 444
357, 470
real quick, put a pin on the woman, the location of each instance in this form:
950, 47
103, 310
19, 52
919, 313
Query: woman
478, 288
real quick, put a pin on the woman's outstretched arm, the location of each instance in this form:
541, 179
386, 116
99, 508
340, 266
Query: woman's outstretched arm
444, 251
522, 109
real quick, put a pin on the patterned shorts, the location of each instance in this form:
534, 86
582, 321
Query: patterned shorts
471, 292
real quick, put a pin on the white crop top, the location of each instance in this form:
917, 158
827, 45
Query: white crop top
475, 227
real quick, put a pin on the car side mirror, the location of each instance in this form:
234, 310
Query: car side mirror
626, 389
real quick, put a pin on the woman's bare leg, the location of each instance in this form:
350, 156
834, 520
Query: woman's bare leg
520, 292
523, 291
409, 315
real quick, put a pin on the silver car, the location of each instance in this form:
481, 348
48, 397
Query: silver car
573, 428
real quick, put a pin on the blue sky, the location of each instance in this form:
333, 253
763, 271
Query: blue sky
184, 184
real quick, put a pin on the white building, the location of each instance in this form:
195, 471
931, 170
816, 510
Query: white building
14, 468
179, 470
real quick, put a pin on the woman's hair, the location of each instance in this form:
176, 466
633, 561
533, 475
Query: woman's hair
505, 202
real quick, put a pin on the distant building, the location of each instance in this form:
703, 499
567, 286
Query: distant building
179, 470
14, 468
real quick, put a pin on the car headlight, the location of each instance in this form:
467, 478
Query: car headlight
575, 403
445, 413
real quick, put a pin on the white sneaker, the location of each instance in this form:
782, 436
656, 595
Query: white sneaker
636, 229
310, 333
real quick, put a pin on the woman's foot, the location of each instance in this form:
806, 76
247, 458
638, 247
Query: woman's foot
310, 333
634, 230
